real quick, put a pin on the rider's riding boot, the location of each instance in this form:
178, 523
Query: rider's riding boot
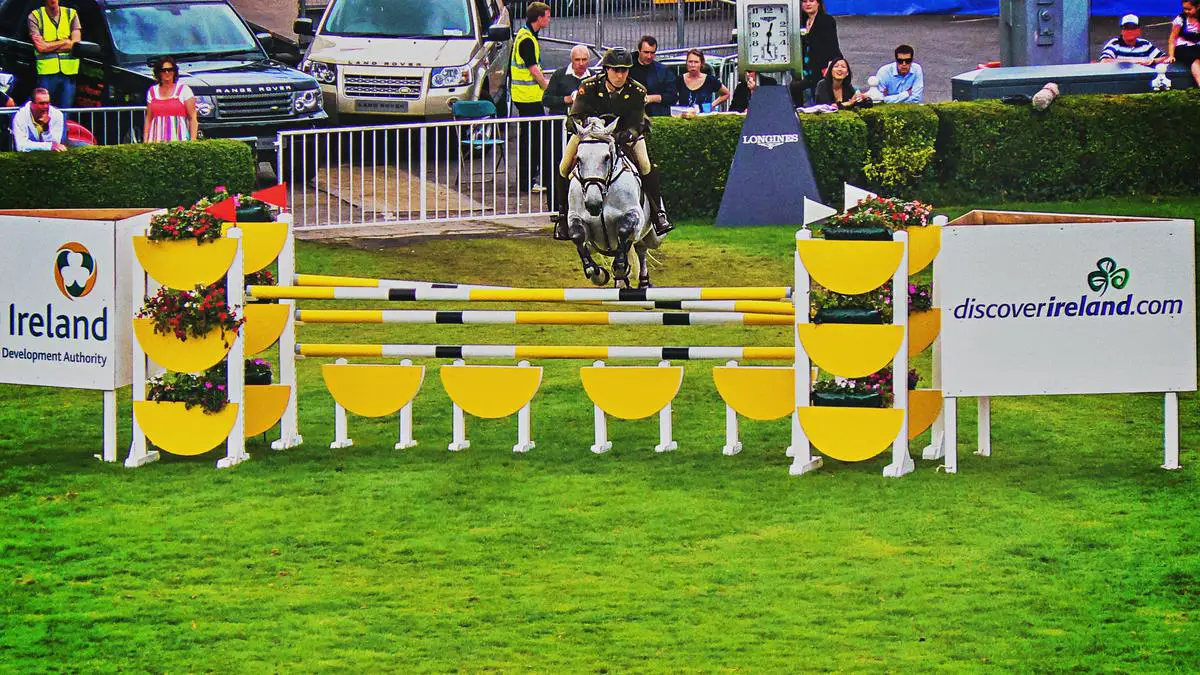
658, 213
561, 186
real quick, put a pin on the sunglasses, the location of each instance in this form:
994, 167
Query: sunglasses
168, 70
908, 60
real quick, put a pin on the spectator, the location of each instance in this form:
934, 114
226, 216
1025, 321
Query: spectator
1131, 46
6, 84
39, 125
559, 96
527, 85
697, 89
1184, 43
902, 81
170, 106
655, 77
836, 88
54, 31
817, 49
744, 90
560, 93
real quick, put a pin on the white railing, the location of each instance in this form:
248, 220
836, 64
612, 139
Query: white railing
115, 125
420, 173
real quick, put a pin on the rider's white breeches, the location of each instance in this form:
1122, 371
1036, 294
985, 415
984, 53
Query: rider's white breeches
640, 155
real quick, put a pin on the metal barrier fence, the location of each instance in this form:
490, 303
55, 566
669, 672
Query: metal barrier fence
419, 173
116, 125
676, 24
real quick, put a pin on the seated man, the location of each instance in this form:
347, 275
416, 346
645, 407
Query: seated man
39, 125
902, 81
608, 95
1131, 46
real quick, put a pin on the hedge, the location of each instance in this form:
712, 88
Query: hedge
119, 176
959, 152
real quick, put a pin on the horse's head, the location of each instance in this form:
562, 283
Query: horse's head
594, 161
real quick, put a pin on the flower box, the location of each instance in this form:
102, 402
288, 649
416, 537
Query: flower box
265, 404
174, 428
872, 233
191, 356
846, 399
186, 263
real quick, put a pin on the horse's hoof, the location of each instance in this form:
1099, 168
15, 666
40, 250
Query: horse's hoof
598, 276
645, 283
620, 270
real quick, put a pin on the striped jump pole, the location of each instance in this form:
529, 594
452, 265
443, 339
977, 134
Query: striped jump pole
769, 293
754, 306
546, 352
579, 318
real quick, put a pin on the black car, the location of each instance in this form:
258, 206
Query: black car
241, 92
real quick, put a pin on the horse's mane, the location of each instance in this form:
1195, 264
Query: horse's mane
595, 129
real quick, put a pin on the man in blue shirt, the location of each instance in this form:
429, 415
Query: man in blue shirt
902, 81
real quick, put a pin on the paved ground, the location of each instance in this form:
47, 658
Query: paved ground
946, 45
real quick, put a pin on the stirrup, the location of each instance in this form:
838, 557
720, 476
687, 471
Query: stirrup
661, 224
560, 227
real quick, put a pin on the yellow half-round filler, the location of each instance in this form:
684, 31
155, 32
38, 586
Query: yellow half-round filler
265, 404
923, 408
850, 350
923, 246
261, 243
372, 390
183, 264
491, 391
850, 434
193, 355
850, 267
179, 431
264, 324
631, 392
757, 392
923, 329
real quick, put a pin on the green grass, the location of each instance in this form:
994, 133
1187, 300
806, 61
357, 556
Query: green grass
1068, 549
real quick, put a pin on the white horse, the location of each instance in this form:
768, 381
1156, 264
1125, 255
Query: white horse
606, 210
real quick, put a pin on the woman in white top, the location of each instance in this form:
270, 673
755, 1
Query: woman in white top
1184, 44
170, 107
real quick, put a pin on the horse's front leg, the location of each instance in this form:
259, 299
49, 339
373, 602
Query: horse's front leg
626, 229
643, 268
578, 233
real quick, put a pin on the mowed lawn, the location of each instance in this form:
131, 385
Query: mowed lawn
1069, 549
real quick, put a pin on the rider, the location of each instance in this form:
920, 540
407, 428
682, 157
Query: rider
613, 94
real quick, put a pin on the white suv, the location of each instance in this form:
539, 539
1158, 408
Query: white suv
407, 58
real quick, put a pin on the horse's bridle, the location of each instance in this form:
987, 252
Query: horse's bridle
616, 167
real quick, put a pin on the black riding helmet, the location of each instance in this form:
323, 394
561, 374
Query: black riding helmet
617, 57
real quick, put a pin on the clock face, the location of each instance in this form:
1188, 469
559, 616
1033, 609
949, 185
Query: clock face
770, 40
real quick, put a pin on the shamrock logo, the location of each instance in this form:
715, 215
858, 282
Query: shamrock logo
1107, 274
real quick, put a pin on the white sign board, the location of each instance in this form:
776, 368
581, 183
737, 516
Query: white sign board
1068, 308
65, 306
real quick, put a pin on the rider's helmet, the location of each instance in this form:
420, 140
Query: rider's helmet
617, 57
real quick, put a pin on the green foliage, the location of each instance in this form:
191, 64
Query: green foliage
206, 390
960, 152
154, 175
194, 314
184, 222
900, 146
694, 157
837, 148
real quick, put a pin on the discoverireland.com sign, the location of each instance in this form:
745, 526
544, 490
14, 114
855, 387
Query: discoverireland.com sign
1066, 309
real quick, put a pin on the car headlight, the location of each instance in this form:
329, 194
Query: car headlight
325, 73
450, 76
206, 106
306, 101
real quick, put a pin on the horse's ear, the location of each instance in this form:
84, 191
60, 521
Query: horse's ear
611, 128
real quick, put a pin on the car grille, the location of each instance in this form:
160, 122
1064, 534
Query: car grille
276, 104
405, 88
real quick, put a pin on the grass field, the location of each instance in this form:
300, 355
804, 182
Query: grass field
1069, 549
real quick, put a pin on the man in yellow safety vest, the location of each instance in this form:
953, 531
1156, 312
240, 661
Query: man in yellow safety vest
54, 31
526, 85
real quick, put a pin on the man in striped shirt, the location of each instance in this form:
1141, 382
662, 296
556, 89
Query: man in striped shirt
1131, 46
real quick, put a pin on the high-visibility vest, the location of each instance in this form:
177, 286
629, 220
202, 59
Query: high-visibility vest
522, 86
55, 62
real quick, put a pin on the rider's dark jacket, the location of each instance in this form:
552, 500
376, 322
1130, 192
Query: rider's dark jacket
628, 104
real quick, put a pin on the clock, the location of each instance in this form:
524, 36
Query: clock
768, 35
